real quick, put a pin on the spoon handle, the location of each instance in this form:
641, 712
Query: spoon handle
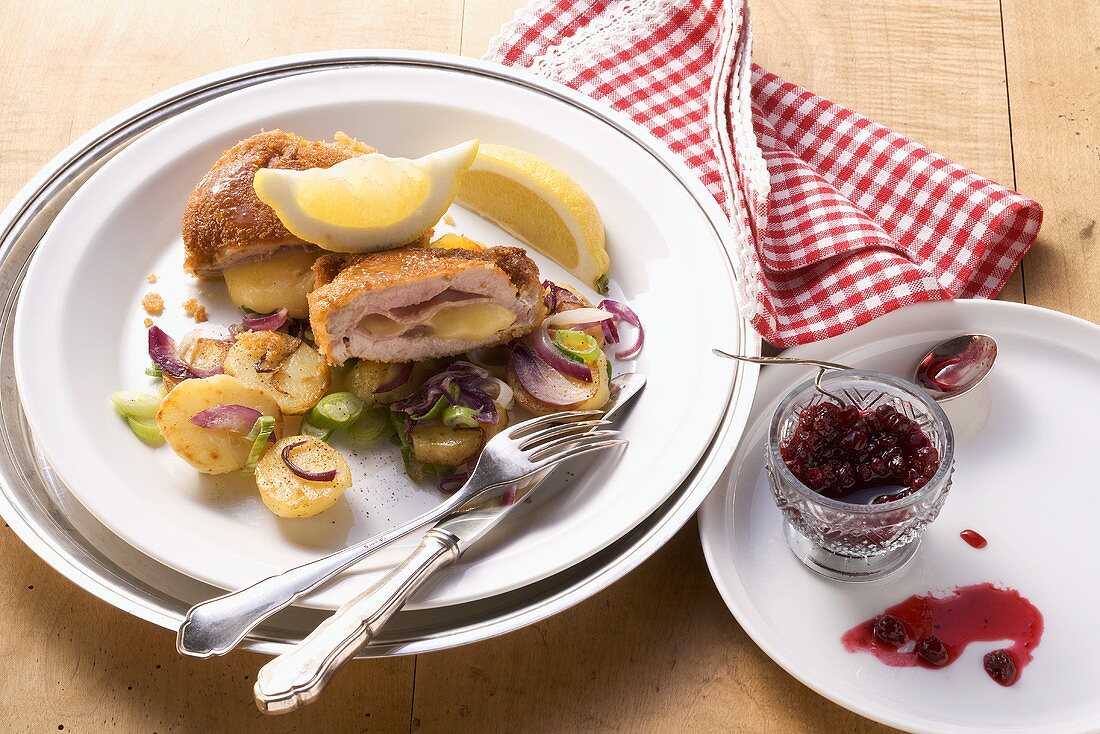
782, 360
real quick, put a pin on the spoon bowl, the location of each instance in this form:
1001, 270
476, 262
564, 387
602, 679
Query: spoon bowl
956, 366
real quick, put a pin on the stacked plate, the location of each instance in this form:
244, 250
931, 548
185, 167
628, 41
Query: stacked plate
140, 530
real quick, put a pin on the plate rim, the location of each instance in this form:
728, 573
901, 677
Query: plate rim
727, 579
58, 174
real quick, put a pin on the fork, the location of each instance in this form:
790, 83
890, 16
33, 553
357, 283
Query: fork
216, 626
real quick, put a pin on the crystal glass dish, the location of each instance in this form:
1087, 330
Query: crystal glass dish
844, 540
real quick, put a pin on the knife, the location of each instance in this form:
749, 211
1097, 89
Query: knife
297, 677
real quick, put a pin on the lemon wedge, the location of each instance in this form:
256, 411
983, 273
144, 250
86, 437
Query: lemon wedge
540, 205
367, 203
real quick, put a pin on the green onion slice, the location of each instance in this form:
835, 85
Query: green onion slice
308, 429
147, 431
459, 416
154, 371
138, 405
259, 434
372, 425
577, 344
435, 412
336, 410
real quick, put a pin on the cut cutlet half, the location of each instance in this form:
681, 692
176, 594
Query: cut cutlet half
226, 225
417, 303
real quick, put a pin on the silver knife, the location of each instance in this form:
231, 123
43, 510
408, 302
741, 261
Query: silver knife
296, 678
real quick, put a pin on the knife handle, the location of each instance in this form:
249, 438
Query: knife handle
297, 677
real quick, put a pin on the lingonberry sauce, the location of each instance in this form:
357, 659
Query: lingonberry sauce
973, 538
842, 452
933, 631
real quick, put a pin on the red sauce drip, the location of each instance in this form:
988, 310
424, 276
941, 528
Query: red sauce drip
978, 613
974, 539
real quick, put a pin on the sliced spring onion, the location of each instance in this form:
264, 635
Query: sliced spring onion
336, 410
435, 412
147, 431
259, 434
459, 416
138, 405
577, 344
154, 371
308, 429
372, 425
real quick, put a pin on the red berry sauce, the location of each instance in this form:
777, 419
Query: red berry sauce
933, 632
974, 539
844, 453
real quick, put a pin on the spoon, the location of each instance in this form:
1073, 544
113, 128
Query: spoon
948, 370
956, 366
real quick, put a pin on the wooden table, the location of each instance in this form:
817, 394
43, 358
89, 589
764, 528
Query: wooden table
1006, 87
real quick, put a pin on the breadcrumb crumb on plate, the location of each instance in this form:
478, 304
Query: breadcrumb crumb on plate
195, 310
151, 277
153, 304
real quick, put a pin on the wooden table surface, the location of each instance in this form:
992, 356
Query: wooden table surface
1007, 87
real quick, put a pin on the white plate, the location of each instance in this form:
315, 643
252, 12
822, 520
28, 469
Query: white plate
1026, 481
79, 334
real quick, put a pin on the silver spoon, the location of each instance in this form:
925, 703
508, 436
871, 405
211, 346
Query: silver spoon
948, 370
956, 366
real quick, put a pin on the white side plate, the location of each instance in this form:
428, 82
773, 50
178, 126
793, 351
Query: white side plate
1027, 481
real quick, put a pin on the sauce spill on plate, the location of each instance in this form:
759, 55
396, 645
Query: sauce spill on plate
973, 538
933, 631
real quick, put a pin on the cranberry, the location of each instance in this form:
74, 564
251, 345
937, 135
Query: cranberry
932, 651
890, 630
854, 441
1000, 666
838, 450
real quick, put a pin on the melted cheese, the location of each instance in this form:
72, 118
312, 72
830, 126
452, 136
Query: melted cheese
267, 285
467, 321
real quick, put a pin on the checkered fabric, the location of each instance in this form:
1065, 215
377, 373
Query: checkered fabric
837, 220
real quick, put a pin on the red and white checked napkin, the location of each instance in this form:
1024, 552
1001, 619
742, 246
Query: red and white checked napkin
838, 220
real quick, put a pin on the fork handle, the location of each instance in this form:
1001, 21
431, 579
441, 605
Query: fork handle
297, 677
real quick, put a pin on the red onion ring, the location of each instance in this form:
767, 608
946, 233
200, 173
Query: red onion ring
610, 331
267, 322
398, 380
162, 350
231, 417
543, 381
624, 313
309, 476
557, 296
452, 482
540, 340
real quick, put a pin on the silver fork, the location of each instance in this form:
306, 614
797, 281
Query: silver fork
216, 626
